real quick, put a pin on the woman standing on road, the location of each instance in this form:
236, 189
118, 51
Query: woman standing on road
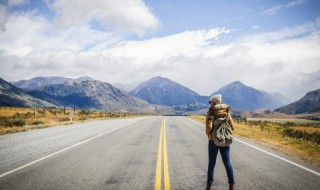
213, 148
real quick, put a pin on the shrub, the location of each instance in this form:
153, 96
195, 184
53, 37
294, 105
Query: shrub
29, 115
53, 112
37, 123
19, 122
303, 135
3, 121
8, 122
64, 119
316, 137
41, 111
288, 131
84, 112
16, 115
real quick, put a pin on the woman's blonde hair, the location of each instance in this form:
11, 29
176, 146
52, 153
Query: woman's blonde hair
216, 98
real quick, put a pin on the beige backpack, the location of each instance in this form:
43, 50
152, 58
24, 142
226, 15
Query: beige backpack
221, 129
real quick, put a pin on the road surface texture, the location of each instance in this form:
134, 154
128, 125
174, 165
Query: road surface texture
140, 154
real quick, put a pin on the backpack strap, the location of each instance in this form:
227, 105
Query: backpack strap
215, 116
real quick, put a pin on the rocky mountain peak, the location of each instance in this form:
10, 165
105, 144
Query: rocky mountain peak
307, 104
243, 97
163, 91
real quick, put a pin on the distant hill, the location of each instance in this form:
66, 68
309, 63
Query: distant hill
12, 96
88, 94
189, 109
242, 97
126, 87
162, 91
93, 94
38, 82
154, 95
268, 114
310, 103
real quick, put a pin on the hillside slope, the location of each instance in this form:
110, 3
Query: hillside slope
310, 103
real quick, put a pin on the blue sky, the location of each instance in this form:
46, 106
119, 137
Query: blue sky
201, 44
181, 15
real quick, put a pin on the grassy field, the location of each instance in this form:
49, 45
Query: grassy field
298, 121
22, 119
300, 139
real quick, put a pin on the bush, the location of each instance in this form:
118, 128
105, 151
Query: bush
19, 122
53, 112
64, 119
84, 112
41, 111
298, 134
37, 123
316, 137
17, 115
13, 123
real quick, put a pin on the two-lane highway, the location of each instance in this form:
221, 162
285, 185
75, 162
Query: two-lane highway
141, 153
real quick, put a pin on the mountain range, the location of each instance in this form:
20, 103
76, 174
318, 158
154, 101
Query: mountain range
38, 82
309, 103
93, 94
243, 97
163, 91
156, 95
11, 95
88, 94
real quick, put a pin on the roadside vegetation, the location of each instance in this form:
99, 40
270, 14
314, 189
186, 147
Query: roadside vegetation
299, 138
22, 119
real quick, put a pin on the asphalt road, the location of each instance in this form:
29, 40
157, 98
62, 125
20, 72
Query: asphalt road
125, 153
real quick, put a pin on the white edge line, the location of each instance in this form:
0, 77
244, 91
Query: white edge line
293, 163
271, 154
50, 155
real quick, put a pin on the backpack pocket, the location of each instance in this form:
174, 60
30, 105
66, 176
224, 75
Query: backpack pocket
222, 132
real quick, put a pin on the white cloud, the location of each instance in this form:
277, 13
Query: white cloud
17, 2
285, 33
39, 36
4, 13
124, 15
295, 3
255, 27
3, 18
286, 61
189, 44
277, 8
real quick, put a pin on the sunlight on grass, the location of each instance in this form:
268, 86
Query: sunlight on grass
274, 136
22, 119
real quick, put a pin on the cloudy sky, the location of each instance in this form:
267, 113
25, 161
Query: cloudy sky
271, 45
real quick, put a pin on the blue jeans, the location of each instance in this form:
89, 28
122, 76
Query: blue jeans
225, 155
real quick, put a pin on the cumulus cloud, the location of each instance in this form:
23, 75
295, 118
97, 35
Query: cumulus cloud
4, 13
3, 18
124, 15
189, 44
285, 61
39, 36
17, 2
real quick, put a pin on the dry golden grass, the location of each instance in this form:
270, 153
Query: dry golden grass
42, 118
273, 138
307, 129
276, 120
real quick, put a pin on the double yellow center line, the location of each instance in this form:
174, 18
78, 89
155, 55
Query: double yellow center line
162, 142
